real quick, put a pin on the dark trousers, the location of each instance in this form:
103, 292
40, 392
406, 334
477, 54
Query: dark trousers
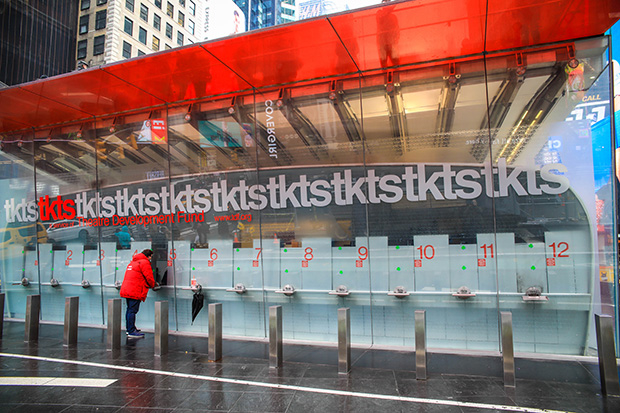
130, 316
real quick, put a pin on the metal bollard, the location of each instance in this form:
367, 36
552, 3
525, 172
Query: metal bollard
2, 310
161, 328
114, 324
607, 364
508, 355
344, 340
33, 309
70, 333
215, 332
420, 345
275, 336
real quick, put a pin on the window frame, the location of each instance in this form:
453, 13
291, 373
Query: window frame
144, 12
180, 38
181, 18
170, 10
82, 45
130, 5
125, 43
169, 33
98, 19
155, 43
96, 45
156, 22
128, 20
142, 34
84, 18
84, 5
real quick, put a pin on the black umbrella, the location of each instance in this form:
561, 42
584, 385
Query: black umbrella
197, 304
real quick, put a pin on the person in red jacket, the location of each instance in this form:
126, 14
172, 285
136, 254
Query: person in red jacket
138, 279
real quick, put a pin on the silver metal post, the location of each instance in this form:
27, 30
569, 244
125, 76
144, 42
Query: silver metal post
420, 344
344, 340
161, 328
70, 333
508, 355
2, 313
606, 354
114, 324
215, 332
275, 336
33, 309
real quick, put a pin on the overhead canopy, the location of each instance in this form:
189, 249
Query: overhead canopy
395, 34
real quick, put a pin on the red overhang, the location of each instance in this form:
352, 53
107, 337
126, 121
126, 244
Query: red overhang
393, 34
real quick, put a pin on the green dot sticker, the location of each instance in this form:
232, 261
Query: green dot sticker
533, 267
341, 272
82, 252
285, 249
51, 251
531, 245
52, 269
286, 271
193, 268
116, 250
397, 268
237, 249
397, 247
238, 268
116, 268
463, 247
192, 249
463, 268
23, 251
339, 248
23, 270
83, 269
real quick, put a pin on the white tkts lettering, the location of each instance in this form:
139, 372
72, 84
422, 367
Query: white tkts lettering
413, 183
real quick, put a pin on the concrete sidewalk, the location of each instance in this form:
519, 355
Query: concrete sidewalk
184, 380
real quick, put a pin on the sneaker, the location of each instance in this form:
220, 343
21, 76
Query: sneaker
137, 331
135, 334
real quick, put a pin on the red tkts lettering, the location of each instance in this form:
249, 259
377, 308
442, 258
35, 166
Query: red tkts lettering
57, 209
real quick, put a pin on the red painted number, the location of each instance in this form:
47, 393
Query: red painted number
173, 254
213, 254
560, 252
427, 251
362, 253
488, 249
258, 255
308, 254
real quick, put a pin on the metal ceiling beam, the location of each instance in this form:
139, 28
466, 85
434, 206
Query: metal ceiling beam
396, 113
445, 112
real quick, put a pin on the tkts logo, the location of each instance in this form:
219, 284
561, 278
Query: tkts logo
57, 209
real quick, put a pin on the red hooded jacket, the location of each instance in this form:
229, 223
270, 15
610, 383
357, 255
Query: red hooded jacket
138, 278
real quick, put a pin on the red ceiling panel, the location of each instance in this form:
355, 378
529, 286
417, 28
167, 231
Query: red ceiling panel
21, 107
393, 34
181, 74
520, 23
412, 32
93, 91
285, 54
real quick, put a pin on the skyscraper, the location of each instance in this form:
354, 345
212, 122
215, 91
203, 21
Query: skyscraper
124, 29
37, 38
265, 13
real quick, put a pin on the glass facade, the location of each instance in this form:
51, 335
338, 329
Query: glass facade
463, 189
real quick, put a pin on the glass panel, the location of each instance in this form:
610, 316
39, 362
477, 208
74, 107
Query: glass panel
554, 149
216, 233
19, 228
66, 178
313, 224
135, 199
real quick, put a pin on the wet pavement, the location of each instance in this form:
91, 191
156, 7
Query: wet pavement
184, 380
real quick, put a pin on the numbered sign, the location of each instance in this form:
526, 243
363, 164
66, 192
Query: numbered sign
567, 255
246, 266
464, 266
400, 267
107, 262
215, 262
291, 265
498, 249
269, 259
67, 264
431, 262
316, 263
531, 271
379, 263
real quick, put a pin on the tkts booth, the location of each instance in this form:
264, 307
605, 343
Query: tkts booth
440, 155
